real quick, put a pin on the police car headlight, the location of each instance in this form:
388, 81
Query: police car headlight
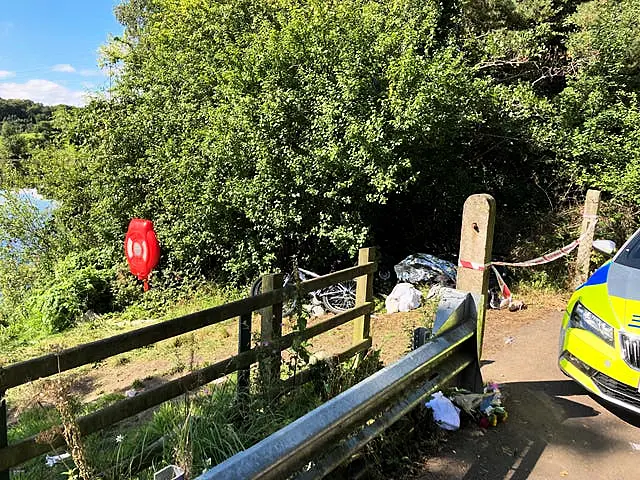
582, 318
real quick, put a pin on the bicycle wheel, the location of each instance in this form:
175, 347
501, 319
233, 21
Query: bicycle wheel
288, 306
340, 297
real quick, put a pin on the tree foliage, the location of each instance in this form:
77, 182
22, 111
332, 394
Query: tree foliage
253, 131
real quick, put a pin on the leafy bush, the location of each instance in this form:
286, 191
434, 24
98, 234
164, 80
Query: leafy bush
254, 131
74, 290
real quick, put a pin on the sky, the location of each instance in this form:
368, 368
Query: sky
49, 48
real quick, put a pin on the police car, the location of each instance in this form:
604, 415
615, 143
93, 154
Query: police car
600, 335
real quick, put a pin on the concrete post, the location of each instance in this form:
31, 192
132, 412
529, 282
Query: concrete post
476, 244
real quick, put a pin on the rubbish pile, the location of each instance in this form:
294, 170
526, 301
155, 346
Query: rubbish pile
485, 408
425, 268
403, 298
422, 268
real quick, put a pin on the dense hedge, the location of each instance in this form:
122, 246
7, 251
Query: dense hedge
253, 131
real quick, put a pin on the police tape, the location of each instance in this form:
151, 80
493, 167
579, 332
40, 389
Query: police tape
546, 258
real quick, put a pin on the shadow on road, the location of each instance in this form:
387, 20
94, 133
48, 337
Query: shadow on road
626, 416
541, 413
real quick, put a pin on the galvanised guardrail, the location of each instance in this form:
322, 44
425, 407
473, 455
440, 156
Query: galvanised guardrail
329, 435
272, 343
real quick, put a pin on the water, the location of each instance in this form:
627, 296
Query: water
32, 197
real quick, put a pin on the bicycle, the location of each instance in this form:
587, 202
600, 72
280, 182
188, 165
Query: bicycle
335, 298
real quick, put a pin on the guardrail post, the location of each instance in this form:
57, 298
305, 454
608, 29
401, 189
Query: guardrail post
364, 293
244, 345
420, 336
4, 475
589, 217
270, 332
476, 244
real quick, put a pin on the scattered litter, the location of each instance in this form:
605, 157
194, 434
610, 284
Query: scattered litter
445, 413
635, 446
51, 460
517, 305
131, 393
509, 340
486, 408
403, 298
422, 267
564, 473
507, 451
434, 271
170, 472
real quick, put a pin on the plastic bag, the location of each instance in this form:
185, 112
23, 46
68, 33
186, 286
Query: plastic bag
403, 298
445, 413
422, 267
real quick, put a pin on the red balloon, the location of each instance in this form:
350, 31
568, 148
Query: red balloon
141, 249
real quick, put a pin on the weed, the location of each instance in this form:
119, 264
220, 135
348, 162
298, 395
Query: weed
60, 393
391, 453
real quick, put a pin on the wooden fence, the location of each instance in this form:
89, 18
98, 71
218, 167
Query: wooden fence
268, 303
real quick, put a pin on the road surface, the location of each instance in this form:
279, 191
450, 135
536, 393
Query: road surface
555, 429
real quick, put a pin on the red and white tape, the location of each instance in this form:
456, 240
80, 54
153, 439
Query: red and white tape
473, 265
546, 258
504, 289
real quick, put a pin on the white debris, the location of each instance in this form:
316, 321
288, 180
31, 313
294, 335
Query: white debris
635, 446
51, 460
131, 393
445, 413
403, 297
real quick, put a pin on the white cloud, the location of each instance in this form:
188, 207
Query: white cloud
6, 74
63, 67
42, 91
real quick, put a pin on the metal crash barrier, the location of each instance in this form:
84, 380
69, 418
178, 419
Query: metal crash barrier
315, 444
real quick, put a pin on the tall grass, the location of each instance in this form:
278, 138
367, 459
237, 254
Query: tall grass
198, 431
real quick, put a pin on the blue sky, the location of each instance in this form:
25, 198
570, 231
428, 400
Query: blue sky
49, 48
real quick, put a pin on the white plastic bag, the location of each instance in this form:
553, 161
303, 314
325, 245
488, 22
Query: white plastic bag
445, 413
51, 460
403, 297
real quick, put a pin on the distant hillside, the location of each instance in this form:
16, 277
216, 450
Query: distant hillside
24, 126
24, 111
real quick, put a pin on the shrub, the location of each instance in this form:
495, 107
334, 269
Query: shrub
74, 290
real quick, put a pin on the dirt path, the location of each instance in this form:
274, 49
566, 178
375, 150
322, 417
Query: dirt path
555, 429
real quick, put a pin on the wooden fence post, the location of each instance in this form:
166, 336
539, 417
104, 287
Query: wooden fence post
270, 332
364, 294
4, 475
476, 244
589, 218
244, 345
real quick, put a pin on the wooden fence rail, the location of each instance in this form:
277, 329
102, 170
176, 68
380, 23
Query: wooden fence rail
270, 305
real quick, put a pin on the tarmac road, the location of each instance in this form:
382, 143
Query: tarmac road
555, 429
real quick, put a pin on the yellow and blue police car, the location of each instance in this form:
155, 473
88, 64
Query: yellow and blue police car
600, 334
